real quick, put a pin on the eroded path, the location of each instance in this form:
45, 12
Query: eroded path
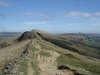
30, 69
40, 61
47, 61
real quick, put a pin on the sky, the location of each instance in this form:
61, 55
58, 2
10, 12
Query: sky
55, 16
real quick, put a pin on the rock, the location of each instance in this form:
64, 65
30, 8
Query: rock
63, 67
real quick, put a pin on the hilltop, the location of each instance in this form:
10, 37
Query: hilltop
40, 53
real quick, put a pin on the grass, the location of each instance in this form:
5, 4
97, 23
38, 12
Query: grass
62, 45
92, 44
93, 68
34, 62
44, 53
24, 67
36, 68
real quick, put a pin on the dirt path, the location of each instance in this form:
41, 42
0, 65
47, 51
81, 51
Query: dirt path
46, 64
30, 69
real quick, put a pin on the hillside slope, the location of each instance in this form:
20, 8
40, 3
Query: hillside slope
40, 53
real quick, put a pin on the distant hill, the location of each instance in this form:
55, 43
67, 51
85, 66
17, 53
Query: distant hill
92, 36
8, 34
40, 53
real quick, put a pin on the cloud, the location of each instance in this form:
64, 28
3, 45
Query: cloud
28, 13
44, 15
97, 14
82, 14
35, 23
36, 14
77, 13
5, 4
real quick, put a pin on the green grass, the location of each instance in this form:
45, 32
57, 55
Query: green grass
24, 67
63, 59
79, 63
35, 68
61, 43
44, 53
34, 62
92, 43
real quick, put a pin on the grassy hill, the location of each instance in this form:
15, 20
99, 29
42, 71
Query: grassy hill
39, 53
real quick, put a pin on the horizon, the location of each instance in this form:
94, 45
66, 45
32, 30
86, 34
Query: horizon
54, 16
54, 32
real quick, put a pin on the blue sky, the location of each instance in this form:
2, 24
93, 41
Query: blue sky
56, 16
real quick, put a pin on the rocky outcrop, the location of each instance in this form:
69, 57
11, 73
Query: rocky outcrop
27, 35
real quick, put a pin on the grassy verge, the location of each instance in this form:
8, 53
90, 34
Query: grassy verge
24, 67
36, 68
